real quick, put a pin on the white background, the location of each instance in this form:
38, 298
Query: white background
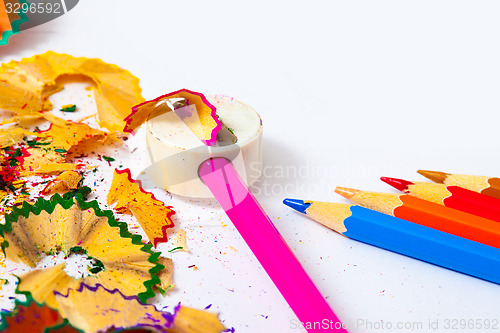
348, 92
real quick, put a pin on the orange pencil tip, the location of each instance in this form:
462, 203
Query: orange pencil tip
435, 176
346, 192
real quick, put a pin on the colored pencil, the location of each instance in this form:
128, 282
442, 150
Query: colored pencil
257, 229
411, 239
482, 184
450, 196
429, 214
266, 243
4, 20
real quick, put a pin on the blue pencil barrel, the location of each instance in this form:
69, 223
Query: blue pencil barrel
427, 244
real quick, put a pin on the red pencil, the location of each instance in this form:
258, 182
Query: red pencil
482, 184
428, 214
450, 196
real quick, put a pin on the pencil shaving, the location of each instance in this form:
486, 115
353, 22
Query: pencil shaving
98, 309
12, 135
130, 198
63, 225
179, 242
27, 85
30, 317
204, 123
66, 181
49, 154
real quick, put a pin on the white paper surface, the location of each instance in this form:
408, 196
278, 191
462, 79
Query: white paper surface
348, 92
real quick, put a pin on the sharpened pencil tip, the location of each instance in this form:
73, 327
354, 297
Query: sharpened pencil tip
298, 205
435, 176
399, 184
346, 192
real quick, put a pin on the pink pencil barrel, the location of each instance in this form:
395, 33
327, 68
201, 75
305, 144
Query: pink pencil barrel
268, 246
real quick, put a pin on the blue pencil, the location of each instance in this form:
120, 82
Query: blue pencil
411, 239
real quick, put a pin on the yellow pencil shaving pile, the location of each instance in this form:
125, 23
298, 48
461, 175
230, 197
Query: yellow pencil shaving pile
25, 86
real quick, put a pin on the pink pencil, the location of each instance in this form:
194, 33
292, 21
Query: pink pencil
268, 246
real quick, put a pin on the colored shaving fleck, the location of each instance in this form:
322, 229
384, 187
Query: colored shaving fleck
68, 108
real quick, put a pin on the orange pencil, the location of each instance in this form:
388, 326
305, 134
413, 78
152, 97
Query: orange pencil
428, 214
482, 184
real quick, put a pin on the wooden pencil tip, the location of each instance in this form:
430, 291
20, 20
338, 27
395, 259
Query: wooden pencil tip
435, 176
346, 192
298, 205
399, 184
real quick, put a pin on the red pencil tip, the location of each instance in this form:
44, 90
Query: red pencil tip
399, 184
